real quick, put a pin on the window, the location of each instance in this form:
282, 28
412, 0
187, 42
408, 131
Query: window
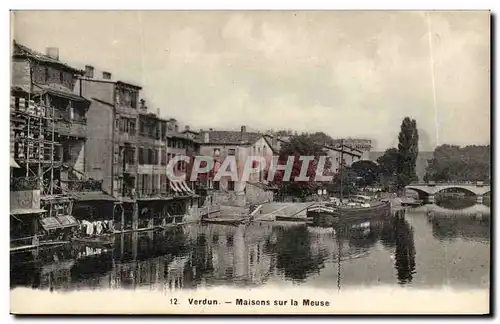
61, 76
46, 74
131, 129
230, 185
133, 100
150, 156
216, 152
216, 185
141, 127
231, 152
157, 157
163, 158
141, 155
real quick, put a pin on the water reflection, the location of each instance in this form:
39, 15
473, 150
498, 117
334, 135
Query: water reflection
196, 256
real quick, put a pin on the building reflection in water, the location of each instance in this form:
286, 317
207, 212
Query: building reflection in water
198, 256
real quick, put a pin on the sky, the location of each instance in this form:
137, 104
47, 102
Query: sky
348, 74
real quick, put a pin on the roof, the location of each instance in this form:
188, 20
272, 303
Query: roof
26, 211
23, 51
229, 137
126, 84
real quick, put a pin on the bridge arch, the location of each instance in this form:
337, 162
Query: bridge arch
461, 188
421, 193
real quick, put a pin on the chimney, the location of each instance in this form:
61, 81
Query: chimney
176, 128
106, 75
89, 71
158, 112
210, 129
52, 52
186, 128
206, 137
243, 133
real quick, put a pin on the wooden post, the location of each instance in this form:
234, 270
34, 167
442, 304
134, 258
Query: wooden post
122, 224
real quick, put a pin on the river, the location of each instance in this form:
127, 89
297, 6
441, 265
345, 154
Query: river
450, 248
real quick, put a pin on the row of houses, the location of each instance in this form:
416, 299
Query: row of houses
85, 137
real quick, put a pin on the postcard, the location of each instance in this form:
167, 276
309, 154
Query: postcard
250, 162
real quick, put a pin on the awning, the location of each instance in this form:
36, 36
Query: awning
13, 163
26, 211
67, 221
50, 223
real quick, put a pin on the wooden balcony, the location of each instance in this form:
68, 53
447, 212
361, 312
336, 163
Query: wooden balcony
75, 129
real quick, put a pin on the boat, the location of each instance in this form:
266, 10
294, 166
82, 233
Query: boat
331, 214
223, 221
411, 203
357, 208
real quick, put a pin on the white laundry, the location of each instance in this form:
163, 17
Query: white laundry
98, 228
90, 229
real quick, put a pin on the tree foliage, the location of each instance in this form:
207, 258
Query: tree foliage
366, 171
455, 163
388, 166
408, 152
301, 145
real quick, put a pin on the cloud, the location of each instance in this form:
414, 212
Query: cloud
345, 73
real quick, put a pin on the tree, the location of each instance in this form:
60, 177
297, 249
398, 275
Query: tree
349, 178
301, 145
366, 171
388, 165
408, 152
455, 163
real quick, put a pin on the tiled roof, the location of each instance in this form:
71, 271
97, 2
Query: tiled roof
229, 137
21, 50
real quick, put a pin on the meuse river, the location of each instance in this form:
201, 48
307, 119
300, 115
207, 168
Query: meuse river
428, 246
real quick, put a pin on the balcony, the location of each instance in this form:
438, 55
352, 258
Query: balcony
75, 128
127, 137
130, 168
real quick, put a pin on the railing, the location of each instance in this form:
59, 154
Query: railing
83, 185
75, 128
24, 241
25, 183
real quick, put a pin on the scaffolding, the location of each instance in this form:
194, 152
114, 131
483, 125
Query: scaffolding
33, 143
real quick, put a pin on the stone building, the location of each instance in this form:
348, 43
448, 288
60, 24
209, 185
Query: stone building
221, 145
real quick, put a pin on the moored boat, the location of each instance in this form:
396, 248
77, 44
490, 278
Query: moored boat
223, 221
331, 214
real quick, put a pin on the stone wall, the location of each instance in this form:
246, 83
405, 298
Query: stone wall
255, 195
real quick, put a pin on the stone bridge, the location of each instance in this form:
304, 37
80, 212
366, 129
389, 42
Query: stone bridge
428, 190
